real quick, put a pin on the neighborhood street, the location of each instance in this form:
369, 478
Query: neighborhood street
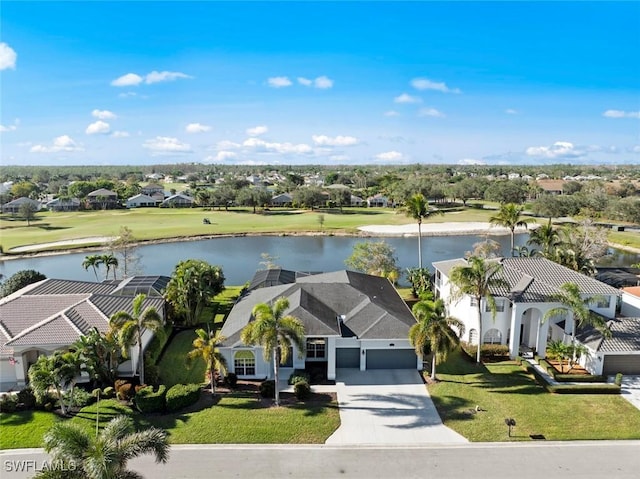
584, 460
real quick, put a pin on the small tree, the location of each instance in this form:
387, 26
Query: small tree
28, 211
53, 372
205, 346
417, 207
509, 216
371, 257
21, 279
321, 221
92, 261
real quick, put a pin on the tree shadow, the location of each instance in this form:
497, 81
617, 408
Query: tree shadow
17, 418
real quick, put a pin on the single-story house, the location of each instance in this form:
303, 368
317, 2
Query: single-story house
52, 314
102, 199
141, 201
178, 201
378, 201
351, 320
152, 189
14, 206
356, 201
63, 204
519, 320
283, 199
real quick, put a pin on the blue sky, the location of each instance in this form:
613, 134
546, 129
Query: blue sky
319, 82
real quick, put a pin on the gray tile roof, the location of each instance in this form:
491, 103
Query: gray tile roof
58, 331
25, 311
625, 336
371, 307
65, 287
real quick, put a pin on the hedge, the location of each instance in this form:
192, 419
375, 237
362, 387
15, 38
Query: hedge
600, 388
487, 351
157, 344
147, 400
182, 395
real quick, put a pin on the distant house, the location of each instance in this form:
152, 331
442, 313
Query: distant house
63, 204
152, 189
102, 199
553, 187
378, 201
356, 201
54, 313
142, 201
14, 206
283, 199
178, 201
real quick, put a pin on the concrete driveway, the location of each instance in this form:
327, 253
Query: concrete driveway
387, 406
631, 389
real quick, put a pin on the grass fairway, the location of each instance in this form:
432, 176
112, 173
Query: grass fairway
504, 390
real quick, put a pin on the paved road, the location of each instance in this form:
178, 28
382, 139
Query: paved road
567, 460
387, 407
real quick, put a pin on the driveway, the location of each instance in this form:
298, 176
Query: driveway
631, 389
387, 406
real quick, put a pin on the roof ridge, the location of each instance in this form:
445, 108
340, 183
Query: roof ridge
384, 313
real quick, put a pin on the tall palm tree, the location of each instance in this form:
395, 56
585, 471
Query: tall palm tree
51, 372
110, 262
417, 207
477, 280
572, 302
275, 333
509, 217
92, 261
547, 237
103, 455
130, 328
433, 331
205, 346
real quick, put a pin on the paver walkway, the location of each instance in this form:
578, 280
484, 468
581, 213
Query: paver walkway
387, 406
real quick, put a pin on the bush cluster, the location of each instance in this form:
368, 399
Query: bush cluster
8, 403
147, 400
182, 395
302, 390
492, 352
268, 388
231, 380
298, 375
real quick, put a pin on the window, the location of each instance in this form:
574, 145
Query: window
316, 348
493, 336
474, 302
499, 306
244, 363
438, 278
600, 302
473, 336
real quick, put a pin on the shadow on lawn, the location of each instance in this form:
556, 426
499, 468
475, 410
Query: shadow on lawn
454, 408
17, 418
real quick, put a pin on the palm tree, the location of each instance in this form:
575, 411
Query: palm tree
54, 372
547, 237
417, 207
275, 333
110, 261
477, 280
92, 261
572, 302
103, 455
433, 331
131, 326
509, 217
205, 346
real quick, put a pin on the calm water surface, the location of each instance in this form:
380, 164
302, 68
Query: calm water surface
240, 257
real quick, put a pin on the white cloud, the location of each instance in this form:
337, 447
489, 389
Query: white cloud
406, 98
103, 114
305, 81
391, 113
621, 114
120, 134
635, 149
279, 82
8, 128
257, 130
130, 79
511, 111
127, 94
8, 57
99, 127
431, 112
426, 84
259, 145
471, 161
166, 145
324, 140
323, 82
390, 156
197, 128
61, 143
157, 77
221, 156
560, 149
227, 145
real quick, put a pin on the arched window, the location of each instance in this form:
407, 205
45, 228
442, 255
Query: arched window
473, 336
244, 363
493, 336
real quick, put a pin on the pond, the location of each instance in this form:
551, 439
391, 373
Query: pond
240, 257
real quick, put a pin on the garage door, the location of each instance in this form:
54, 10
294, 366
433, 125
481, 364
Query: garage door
348, 358
391, 359
621, 363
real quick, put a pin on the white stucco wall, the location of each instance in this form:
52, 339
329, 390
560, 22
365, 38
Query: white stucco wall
630, 305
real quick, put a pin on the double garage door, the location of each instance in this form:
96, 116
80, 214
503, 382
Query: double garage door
621, 363
377, 358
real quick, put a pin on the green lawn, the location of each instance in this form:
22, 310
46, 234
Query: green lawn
504, 390
24, 428
173, 366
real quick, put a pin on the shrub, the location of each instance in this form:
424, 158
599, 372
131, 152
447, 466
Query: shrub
108, 393
151, 372
8, 403
182, 395
155, 347
96, 393
603, 388
268, 389
231, 379
618, 380
302, 390
297, 376
27, 398
147, 400
494, 352
580, 378
81, 398
126, 392
46, 401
